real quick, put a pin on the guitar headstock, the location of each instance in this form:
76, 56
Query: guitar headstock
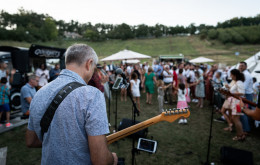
173, 114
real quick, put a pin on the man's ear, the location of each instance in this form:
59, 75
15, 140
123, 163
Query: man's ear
89, 64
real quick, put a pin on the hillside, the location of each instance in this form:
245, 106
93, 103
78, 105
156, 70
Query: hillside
190, 46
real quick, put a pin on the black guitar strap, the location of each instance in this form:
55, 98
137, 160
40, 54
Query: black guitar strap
49, 113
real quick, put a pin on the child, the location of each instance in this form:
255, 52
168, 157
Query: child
4, 97
135, 82
161, 88
182, 103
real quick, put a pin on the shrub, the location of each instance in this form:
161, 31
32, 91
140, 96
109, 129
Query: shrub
224, 36
213, 34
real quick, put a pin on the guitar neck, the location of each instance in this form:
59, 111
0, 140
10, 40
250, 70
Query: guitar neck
238, 97
169, 116
133, 129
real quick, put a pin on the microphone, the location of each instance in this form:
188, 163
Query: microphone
120, 71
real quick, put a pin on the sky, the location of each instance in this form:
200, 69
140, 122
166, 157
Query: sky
135, 12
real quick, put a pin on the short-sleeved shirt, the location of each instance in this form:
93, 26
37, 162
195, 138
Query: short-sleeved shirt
53, 73
26, 91
43, 79
181, 95
2, 73
4, 94
168, 79
81, 114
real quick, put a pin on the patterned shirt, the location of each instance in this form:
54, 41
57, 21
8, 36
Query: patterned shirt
4, 94
81, 114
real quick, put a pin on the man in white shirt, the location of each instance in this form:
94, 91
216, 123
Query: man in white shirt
168, 79
248, 93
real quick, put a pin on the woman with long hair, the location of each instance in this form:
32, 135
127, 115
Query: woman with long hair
237, 89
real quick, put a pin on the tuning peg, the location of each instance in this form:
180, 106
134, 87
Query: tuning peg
186, 110
166, 112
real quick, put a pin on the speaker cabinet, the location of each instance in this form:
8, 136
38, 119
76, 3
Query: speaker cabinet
125, 123
233, 156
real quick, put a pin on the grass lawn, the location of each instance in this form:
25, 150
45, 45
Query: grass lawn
177, 144
191, 47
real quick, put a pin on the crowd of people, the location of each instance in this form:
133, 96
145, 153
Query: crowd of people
184, 83
178, 84
81, 117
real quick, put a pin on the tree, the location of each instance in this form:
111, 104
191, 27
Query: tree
192, 28
91, 35
224, 36
49, 29
142, 31
122, 31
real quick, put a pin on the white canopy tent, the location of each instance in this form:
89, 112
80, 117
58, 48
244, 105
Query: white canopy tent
253, 65
125, 55
201, 60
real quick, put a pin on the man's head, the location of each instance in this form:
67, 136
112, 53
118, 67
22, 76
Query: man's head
81, 59
215, 67
3, 80
181, 66
57, 66
3, 65
242, 66
187, 66
33, 80
167, 67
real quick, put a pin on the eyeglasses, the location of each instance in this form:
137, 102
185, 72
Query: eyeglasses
36, 80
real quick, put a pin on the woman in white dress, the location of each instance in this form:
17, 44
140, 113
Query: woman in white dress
135, 90
237, 89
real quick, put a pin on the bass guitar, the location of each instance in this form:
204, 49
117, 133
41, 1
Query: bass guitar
227, 93
169, 115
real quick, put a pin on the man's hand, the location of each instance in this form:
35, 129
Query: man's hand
115, 158
13, 71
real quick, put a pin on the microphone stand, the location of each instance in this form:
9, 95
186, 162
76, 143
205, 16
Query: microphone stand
134, 113
116, 112
109, 102
211, 121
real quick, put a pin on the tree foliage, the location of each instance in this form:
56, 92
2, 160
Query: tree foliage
30, 26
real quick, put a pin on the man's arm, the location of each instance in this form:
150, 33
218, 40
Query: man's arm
28, 99
32, 140
99, 152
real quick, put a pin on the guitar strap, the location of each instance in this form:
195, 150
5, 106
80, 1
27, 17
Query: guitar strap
49, 113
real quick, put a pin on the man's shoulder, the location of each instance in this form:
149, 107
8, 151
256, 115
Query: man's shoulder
26, 86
